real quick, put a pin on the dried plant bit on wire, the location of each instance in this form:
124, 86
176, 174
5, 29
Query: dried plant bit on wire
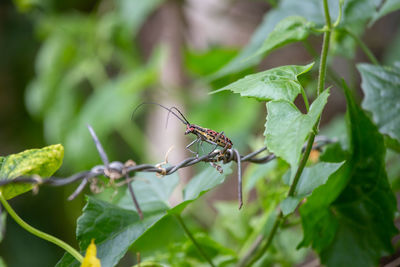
217, 167
96, 186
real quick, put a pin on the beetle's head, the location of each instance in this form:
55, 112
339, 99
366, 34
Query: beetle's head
189, 129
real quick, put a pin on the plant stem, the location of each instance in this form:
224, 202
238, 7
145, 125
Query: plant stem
331, 72
363, 46
39, 233
302, 165
306, 154
303, 93
264, 248
324, 52
291, 192
191, 237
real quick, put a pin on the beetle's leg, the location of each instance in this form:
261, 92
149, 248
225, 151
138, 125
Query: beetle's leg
189, 145
201, 146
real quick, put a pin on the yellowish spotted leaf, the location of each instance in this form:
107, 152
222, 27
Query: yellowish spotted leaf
41, 162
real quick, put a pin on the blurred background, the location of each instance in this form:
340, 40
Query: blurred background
65, 64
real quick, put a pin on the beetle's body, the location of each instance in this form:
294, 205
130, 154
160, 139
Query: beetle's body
209, 136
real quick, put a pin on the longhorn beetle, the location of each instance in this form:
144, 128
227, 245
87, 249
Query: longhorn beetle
202, 134
206, 135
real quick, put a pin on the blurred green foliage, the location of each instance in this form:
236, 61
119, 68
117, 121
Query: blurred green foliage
81, 63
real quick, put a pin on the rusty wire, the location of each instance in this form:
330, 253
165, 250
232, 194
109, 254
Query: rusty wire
117, 170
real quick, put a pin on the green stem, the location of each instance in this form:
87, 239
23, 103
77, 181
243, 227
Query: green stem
302, 165
306, 154
191, 237
303, 93
39, 233
363, 46
270, 237
331, 73
323, 62
291, 192
327, 16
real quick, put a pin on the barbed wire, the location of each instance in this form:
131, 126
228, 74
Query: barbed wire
117, 170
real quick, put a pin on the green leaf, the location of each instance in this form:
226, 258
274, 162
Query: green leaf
310, 179
289, 204
391, 55
333, 153
42, 162
289, 30
355, 200
287, 128
210, 247
381, 86
200, 184
202, 63
116, 226
312, 10
274, 84
134, 12
315, 176
387, 7
355, 16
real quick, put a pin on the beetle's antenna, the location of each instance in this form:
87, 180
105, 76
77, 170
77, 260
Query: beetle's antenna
170, 110
187, 122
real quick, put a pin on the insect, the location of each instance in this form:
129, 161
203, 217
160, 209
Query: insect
202, 134
205, 135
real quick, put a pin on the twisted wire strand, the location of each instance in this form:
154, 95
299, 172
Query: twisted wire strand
120, 168
117, 170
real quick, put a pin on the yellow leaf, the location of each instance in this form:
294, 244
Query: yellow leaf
90, 259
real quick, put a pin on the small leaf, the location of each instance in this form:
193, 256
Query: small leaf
310, 179
287, 128
90, 259
387, 7
200, 184
274, 84
204, 181
289, 30
134, 12
42, 162
315, 176
289, 204
381, 86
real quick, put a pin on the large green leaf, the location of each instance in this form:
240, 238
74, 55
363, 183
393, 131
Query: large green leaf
355, 15
289, 30
274, 84
354, 201
287, 128
310, 179
116, 226
42, 162
381, 87
311, 10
